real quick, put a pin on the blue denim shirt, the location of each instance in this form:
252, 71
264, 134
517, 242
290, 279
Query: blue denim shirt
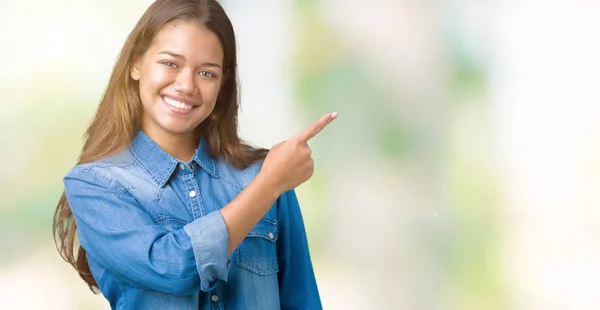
155, 238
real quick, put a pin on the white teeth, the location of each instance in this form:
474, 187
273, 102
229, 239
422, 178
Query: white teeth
177, 104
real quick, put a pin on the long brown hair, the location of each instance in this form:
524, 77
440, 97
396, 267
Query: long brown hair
118, 117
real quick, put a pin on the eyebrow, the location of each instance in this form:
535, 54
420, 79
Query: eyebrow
175, 55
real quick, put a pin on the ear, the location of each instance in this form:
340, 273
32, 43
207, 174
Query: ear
135, 69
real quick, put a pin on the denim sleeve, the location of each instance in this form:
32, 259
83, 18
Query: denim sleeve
117, 233
297, 283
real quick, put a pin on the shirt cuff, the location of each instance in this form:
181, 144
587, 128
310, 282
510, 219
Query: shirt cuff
210, 243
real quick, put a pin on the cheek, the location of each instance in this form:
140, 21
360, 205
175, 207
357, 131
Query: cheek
210, 92
153, 79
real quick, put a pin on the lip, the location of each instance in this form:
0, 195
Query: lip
183, 100
178, 110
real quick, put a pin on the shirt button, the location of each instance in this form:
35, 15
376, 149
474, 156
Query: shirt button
182, 166
193, 194
271, 236
192, 166
214, 298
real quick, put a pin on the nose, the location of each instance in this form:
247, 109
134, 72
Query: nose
185, 83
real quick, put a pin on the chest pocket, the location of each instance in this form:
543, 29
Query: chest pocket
169, 223
258, 252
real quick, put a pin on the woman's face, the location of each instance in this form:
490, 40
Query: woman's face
179, 79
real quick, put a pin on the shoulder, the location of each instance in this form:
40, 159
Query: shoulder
104, 172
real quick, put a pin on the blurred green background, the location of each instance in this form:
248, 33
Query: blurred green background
462, 172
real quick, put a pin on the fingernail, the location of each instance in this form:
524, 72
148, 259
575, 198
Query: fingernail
334, 115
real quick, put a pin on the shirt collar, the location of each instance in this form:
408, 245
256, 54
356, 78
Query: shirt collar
202, 158
160, 165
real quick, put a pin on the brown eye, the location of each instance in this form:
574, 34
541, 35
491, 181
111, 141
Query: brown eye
207, 74
170, 64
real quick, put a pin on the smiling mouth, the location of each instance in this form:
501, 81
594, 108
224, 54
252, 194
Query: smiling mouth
176, 104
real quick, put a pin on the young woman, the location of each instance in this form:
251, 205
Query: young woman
170, 209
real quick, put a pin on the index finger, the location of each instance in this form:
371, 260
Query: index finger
312, 130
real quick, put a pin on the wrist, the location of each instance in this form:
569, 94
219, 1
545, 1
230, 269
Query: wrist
268, 185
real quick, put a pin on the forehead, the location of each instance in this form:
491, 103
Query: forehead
189, 39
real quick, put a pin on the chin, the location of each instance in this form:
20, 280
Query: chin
178, 129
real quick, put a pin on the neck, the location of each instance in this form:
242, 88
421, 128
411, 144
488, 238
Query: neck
180, 146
